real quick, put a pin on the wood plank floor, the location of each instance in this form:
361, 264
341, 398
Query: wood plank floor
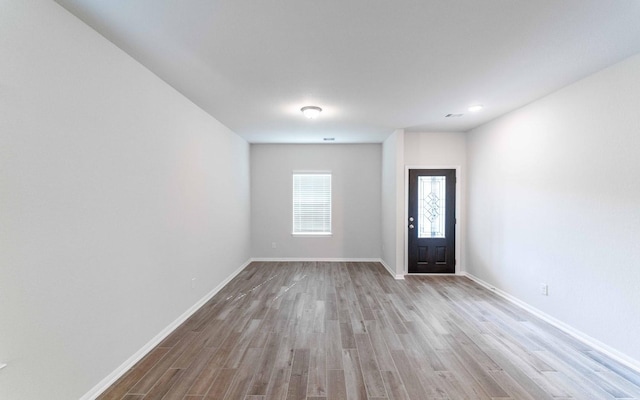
329, 331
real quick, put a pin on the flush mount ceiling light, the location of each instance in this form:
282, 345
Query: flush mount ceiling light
476, 107
311, 112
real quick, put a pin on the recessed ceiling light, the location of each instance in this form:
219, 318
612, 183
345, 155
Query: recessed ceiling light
311, 112
476, 107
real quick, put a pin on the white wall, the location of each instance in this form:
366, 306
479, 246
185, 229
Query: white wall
442, 150
554, 194
355, 200
393, 225
114, 192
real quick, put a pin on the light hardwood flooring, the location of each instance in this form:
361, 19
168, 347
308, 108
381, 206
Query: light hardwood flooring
329, 331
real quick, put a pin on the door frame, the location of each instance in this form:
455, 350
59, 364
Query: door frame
459, 215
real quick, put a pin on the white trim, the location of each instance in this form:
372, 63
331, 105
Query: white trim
459, 268
312, 234
127, 365
311, 172
399, 277
389, 270
579, 335
307, 259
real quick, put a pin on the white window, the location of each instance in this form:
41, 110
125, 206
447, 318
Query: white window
311, 203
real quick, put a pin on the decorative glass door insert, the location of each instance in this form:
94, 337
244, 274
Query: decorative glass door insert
431, 206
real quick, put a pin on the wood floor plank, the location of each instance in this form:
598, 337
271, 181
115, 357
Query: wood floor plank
354, 380
345, 331
621, 370
536, 382
162, 386
579, 384
242, 344
299, 375
453, 386
408, 375
224, 351
317, 386
331, 308
242, 379
392, 316
120, 388
201, 384
191, 373
221, 384
282, 365
319, 316
380, 348
278, 384
517, 391
471, 341
144, 385
395, 387
418, 346
577, 361
470, 386
334, 345
391, 338
266, 364
346, 335
336, 387
507, 342
369, 366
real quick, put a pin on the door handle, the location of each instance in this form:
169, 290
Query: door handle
411, 226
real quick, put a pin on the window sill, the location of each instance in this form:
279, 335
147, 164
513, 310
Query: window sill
315, 234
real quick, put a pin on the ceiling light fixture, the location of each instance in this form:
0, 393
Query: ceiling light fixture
311, 112
476, 108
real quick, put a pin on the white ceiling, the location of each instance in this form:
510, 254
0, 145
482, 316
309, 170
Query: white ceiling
372, 65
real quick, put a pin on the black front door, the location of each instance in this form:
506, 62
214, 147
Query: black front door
432, 221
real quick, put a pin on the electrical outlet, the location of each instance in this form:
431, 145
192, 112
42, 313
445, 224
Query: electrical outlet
193, 283
544, 289
274, 245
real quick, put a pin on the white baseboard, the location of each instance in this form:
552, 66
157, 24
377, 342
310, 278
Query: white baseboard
581, 336
306, 259
122, 369
393, 274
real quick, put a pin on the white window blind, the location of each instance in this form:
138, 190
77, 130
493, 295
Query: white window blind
312, 203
